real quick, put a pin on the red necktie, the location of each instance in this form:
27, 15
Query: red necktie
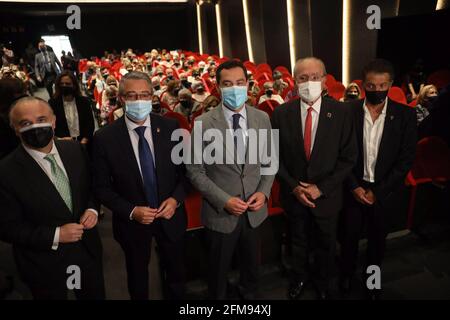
307, 135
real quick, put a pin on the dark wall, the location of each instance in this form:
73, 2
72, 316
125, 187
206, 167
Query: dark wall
233, 29
103, 27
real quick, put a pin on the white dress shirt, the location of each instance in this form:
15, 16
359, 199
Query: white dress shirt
372, 133
134, 138
315, 118
46, 167
71, 112
242, 120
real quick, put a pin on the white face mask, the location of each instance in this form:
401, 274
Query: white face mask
310, 90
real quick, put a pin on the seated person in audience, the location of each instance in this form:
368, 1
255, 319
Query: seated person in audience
278, 83
427, 95
156, 106
74, 118
210, 103
253, 87
184, 81
196, 76
202, 68
269, 94
186, 104
352, 92
199, 92
212, 73
159, 72
169, 75
170, 96
109, 105
157, 89
110, 81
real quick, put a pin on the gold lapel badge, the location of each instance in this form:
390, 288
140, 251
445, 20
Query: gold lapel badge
329, 115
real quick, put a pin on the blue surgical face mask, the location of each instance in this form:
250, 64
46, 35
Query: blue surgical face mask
138, 110
234, 97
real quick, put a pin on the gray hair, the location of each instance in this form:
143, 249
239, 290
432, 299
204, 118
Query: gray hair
184, 92
134, 75
314, 59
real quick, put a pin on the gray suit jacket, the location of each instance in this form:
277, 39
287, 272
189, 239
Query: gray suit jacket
39, 63
218, 182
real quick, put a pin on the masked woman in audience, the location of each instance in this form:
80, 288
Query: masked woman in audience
425, 99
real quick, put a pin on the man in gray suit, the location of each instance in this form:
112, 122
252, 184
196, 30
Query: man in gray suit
235, 191
45, 66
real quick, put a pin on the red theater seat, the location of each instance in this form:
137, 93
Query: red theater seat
268, 106
283, 70
336, 90
432, 164
413, 103
182, 121
397, 94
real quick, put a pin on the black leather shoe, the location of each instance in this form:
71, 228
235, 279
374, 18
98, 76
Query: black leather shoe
296, 289
345, 285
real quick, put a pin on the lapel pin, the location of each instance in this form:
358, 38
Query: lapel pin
329, 115
158, 130
392, 117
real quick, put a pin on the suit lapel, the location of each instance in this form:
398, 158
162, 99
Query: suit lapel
40, 183
221, 124
295, 123
323, 128
389, 123
155, 125
72, 174
359, 125
127, 151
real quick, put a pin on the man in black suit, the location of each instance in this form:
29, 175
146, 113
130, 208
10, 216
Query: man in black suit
317, 152
135, 178
47, 210
386, 134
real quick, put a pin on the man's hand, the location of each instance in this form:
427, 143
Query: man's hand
65, 138
311, 190
300, 195
236, 206
360, 195
84, 141
370, 196
89, 219
167, 209
144, 215
38, 78
71, 232
256, 201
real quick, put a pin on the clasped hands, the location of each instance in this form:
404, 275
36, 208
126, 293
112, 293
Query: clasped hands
306, 194
237, 206
146, 215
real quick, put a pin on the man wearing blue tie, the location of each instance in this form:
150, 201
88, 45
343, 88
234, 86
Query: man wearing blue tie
136, 179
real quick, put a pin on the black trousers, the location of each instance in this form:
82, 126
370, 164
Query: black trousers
137, 249
221, 247
49, 80
357, 218
315, 237
56, 288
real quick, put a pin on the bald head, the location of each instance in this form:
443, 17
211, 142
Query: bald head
30, 110
309, 65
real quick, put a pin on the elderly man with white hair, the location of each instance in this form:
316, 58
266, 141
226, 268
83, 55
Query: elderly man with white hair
200, 93
186, 105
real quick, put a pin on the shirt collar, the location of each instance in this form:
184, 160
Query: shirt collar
229, 113
37, 155
383, 111
315, 106
132, 125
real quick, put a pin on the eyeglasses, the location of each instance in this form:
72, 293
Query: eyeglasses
133, 96
305, 77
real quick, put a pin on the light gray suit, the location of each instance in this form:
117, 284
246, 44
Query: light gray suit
219, 182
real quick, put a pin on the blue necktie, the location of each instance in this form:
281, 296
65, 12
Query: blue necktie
148, 169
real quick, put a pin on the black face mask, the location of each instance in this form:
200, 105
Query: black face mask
157, 88
66, 91
186, 104
376, 97
269, 92
156, 107
186, 83
38, 136
430, 100
175, 92
352, 96
170, 77
113, 101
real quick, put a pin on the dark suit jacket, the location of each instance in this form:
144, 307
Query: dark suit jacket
8, 139
118, 183
332, 157
31, 209
396, 152
85, 118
